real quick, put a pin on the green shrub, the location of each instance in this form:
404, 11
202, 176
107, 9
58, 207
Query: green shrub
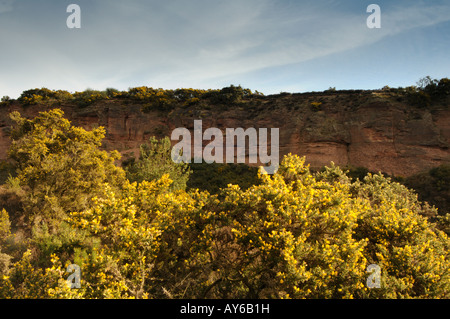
88, 97
159, 99
6, 170
215, 176
419, 98
357, 172
114, 93
433, 187
6, 100
428, 91
59, 165
44, 92
5, 232
36, 96
435, 88
63, 95
154, 161
228, 95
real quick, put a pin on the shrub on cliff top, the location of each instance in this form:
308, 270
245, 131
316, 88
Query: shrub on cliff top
87, 97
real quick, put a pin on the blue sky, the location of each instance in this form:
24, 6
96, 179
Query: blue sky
267, 45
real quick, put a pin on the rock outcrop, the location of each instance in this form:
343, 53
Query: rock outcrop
372, 129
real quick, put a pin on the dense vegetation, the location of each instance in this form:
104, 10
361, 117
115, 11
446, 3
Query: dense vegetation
424, 94
432, 186
149, 98
296, 234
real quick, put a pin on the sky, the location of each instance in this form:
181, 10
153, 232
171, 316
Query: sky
271, 46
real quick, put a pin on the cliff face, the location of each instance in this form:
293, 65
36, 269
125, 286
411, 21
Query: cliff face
370, 129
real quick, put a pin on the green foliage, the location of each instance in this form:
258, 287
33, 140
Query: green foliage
6, 170
62, 239
13, 183
377, 188
36, 96
5, 232
63, 95
159, 99
435, 88
131, 225
44, 92
418, 98
112, 93
212, 177
150, 98
5, 101
154, 161
88, 97
34, 99
433, 187
24, 281
425, 82
59, 165
357, 172
4, 225
428, 91
411, 249
188, 96
294, 234
11, 200
228, 95
441, 174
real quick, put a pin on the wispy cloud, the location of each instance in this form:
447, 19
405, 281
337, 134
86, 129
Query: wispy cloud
264, 41
318, 35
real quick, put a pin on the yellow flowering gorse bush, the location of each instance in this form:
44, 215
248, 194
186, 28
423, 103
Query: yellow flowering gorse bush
296, 234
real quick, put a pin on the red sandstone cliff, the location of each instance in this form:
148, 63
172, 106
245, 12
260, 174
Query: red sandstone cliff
369, 129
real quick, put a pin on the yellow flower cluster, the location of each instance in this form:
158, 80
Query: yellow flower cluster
295, 235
